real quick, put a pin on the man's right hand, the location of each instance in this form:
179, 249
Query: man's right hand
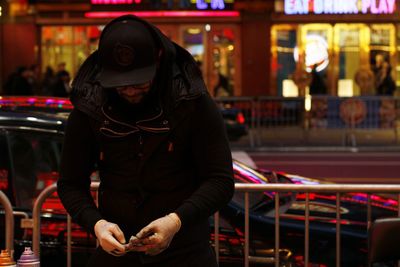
110, 237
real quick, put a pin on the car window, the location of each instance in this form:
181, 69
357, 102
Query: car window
35, 160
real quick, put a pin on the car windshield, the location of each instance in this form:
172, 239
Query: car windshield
260, 202
35, 161
244, 174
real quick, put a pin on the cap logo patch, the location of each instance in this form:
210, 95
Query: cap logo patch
123, 54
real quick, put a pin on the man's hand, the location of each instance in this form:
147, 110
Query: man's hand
156, 237
110, 237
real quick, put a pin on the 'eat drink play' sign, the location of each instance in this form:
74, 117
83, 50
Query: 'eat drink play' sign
300, 7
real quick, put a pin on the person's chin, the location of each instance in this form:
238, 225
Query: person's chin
134, 100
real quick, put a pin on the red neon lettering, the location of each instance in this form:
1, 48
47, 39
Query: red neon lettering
114, 2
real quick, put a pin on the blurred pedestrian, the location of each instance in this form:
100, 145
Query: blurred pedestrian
8, 85
48, 81
317, 85
19, 83
61, 87
143, 115
384, 82
365, 79
34, 79
222, 88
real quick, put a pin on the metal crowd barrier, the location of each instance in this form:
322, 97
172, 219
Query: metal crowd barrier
311, 114
9, 221
247, 189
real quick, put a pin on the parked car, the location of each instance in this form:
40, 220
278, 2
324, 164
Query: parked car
235, 124
31, 134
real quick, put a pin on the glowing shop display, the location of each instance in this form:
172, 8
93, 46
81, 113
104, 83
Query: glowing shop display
303, 7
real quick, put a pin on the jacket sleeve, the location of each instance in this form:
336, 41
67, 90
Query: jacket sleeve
212, 161
77, 164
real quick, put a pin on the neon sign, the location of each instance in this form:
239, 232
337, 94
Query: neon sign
113, 2
215, 4
303, 7
200, 4
164, 14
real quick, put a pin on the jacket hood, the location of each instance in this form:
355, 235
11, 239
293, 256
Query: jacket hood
178, 76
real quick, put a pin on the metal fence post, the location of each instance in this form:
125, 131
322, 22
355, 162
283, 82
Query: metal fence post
9, 221
216, 235
36, 216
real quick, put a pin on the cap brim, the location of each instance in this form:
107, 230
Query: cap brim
111, 78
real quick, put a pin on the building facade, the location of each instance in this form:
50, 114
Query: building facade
253, 47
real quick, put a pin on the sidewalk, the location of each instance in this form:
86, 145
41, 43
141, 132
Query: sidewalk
297, 139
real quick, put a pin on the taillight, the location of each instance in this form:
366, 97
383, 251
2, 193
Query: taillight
240, 118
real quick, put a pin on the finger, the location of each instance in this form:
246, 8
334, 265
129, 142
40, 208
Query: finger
119, 235
146, 231
153, 252
134, 241
116, 253
153, 239
114, 244
141, 248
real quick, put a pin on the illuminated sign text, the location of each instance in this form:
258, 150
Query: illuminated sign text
299, 7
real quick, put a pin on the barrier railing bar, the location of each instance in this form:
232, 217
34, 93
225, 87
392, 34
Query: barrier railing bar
277, 229
338, 254
398, 215
69, 250
307, 230
37, 206
398, 201
9, 222
320, 188
246, 229
216, 235
247, 188
25, 215
369, 211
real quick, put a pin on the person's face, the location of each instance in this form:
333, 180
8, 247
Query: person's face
379, 60
134, 94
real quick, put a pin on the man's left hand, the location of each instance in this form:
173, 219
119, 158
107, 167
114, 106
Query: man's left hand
156, 237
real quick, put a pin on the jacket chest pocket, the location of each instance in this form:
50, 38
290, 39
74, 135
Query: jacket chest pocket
118, 153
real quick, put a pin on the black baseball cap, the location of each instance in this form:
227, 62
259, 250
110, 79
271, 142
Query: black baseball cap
127, 54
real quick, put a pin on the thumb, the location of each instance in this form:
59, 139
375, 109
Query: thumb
118, 234
145, 232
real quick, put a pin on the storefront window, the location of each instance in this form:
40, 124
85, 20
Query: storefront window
283, 62
223, 61
68, 44
345, 59
212, 46
193, 42
349, 42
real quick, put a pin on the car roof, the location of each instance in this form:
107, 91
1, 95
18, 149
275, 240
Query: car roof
34, 113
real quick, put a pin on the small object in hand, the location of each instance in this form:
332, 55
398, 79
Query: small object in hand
134, 241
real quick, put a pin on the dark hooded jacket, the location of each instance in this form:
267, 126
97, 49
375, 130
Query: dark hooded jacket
169, 154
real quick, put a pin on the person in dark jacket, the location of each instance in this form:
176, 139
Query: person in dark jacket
143, 116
